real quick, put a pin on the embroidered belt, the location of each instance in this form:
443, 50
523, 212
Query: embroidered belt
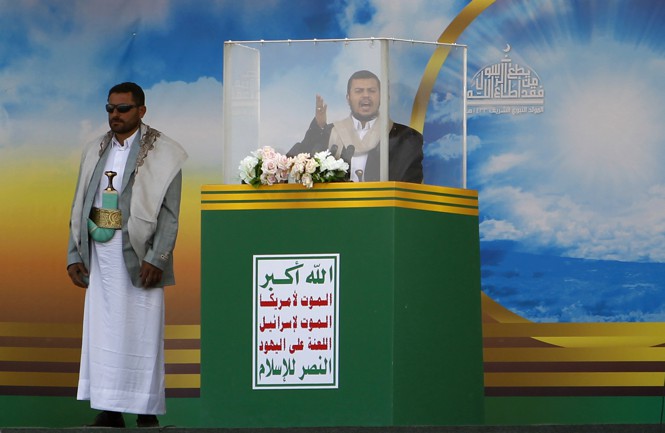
106, 218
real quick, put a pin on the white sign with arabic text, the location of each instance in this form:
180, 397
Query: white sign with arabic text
295, 311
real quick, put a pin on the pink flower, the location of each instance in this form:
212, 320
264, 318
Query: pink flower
267, 152
269, 166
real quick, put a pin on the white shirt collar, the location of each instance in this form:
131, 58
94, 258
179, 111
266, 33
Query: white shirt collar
128, 141
359, 125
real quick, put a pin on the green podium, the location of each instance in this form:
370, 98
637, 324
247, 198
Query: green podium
348, 304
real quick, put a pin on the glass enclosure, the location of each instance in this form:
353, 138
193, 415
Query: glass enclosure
401, 117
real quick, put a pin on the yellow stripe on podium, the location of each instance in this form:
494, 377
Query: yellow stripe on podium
340, 195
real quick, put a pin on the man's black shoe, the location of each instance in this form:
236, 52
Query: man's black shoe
108, 418
147, 421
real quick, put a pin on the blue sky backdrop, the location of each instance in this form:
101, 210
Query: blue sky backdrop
576, 195
565, 196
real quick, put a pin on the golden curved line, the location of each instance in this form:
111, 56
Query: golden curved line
449, 36
499, 322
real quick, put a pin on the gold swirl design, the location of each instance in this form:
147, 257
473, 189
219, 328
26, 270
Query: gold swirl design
449, 36
147, 144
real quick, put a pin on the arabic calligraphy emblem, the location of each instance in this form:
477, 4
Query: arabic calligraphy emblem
505, 87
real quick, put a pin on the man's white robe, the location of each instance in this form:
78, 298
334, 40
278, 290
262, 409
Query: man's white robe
122, 358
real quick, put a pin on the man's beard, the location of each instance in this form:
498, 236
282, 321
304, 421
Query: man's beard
122, 127
365, 119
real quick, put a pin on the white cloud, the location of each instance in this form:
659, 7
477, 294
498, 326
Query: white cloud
449, 146
447, 107
190, 113
502, 163
556, 221
491, 230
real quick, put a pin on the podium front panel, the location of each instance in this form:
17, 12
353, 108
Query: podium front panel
408, 323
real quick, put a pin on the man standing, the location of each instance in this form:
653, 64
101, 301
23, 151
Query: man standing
122, 357
356, 138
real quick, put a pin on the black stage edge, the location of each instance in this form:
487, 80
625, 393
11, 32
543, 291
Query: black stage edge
582, 428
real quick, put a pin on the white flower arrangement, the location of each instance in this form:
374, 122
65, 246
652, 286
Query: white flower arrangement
323, 167
267, 167
264, 167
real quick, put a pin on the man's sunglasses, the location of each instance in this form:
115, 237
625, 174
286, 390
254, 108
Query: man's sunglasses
122, 108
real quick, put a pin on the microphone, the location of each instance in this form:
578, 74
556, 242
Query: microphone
347, 153
333, 149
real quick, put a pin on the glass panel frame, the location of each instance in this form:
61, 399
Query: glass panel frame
270, 90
